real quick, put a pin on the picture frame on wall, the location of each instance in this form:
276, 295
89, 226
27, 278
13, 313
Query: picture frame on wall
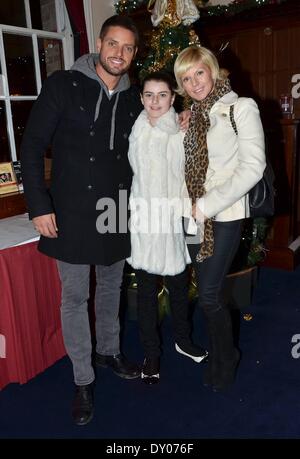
8, 181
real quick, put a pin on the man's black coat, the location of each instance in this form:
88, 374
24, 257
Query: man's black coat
84, 168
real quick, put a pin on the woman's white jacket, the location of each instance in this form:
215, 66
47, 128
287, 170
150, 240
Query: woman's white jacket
156, 155
236, 162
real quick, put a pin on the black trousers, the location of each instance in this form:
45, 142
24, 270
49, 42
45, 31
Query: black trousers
147, 291
211, 273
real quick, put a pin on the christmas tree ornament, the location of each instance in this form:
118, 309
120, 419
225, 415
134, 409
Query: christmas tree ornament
187, 11
164, 11
170, 35
173, 12
247, 317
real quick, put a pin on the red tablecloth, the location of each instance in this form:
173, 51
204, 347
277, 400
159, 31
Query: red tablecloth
29, 314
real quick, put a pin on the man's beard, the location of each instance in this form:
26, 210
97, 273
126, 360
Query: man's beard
111, 71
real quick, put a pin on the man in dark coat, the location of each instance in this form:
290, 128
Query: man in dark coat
86, 114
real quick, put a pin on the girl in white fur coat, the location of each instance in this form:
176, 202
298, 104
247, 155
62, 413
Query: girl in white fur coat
158, 200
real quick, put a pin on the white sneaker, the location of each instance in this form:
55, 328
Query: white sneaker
197, 358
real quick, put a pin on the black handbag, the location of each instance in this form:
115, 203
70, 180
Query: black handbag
261, 196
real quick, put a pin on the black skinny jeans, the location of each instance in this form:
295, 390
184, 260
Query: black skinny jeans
211, 273
147, 291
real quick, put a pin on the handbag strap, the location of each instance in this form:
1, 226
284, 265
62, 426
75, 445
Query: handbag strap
232, 120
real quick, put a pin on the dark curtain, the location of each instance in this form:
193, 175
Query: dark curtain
77, 19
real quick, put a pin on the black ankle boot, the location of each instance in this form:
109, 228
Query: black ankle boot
83, 404
210, 370
227, 371
150, 370
207, 377
223, 356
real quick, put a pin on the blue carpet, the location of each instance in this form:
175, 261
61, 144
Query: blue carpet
264, 402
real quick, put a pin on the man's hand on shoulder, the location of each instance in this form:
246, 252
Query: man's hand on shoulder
46, 225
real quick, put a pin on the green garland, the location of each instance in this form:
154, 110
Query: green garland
235, 7
238, 6
127, 6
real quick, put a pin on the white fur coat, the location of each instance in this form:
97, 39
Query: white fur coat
158, 196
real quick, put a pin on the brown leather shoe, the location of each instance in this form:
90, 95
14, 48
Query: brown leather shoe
83, 404
119, 364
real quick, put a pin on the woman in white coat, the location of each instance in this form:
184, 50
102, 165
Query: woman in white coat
158, 247
224, 159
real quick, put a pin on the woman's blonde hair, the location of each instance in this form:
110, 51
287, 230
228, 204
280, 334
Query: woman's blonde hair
188, 57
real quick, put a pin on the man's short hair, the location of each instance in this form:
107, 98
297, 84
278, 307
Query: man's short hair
120, 21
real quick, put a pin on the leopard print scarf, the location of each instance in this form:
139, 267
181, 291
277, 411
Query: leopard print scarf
196, 157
